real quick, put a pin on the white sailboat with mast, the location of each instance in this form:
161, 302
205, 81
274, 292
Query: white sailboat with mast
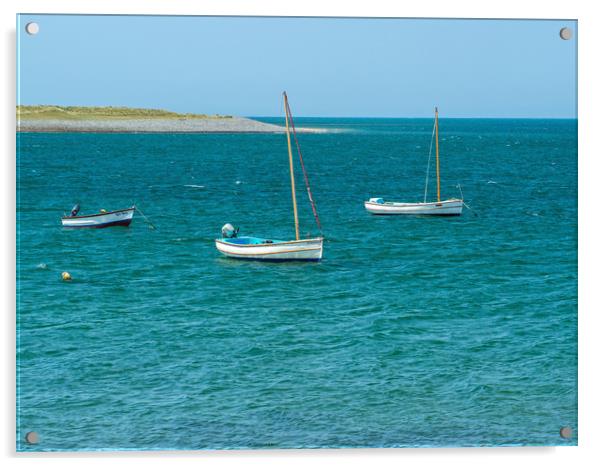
255, 248
453, 206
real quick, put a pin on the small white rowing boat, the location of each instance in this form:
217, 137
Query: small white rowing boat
250, 247
101, 220
378, 206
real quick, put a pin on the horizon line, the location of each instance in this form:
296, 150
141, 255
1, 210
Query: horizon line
428, 118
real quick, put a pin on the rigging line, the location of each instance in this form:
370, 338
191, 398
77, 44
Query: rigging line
151, 225
428, 165
469, 208
311, 199
305, 177
464, 203
461, 193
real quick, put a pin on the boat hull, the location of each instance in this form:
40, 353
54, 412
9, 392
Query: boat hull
301, 250
116, 218
449, 207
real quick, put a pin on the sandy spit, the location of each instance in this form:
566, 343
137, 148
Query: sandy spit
183, 125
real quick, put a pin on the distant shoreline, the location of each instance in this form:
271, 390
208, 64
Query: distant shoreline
165, 126
230, 125
59, 119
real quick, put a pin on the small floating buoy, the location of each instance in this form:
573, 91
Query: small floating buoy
66, 276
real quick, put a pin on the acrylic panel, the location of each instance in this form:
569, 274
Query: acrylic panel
270, 232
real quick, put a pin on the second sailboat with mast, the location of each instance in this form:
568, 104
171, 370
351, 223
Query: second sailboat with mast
379, 206
251, 247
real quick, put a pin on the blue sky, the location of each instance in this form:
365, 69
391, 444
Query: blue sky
329, 67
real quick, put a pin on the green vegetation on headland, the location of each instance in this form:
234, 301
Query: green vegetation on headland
57, 112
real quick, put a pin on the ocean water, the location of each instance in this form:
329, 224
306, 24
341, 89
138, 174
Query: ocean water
412, 332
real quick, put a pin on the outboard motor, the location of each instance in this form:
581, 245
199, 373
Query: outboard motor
75, 210
228, 231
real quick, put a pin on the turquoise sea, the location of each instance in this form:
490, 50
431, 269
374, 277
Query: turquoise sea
412, 332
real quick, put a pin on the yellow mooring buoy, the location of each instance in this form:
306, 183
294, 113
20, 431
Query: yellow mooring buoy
66, 276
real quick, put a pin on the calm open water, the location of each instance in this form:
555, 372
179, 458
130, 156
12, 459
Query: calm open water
411, 332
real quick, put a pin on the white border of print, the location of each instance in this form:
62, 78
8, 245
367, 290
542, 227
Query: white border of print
590, 154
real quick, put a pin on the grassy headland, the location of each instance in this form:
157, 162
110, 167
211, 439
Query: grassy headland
58, 112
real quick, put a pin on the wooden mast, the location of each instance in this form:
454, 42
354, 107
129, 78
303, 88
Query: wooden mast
290, 162
437, 151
